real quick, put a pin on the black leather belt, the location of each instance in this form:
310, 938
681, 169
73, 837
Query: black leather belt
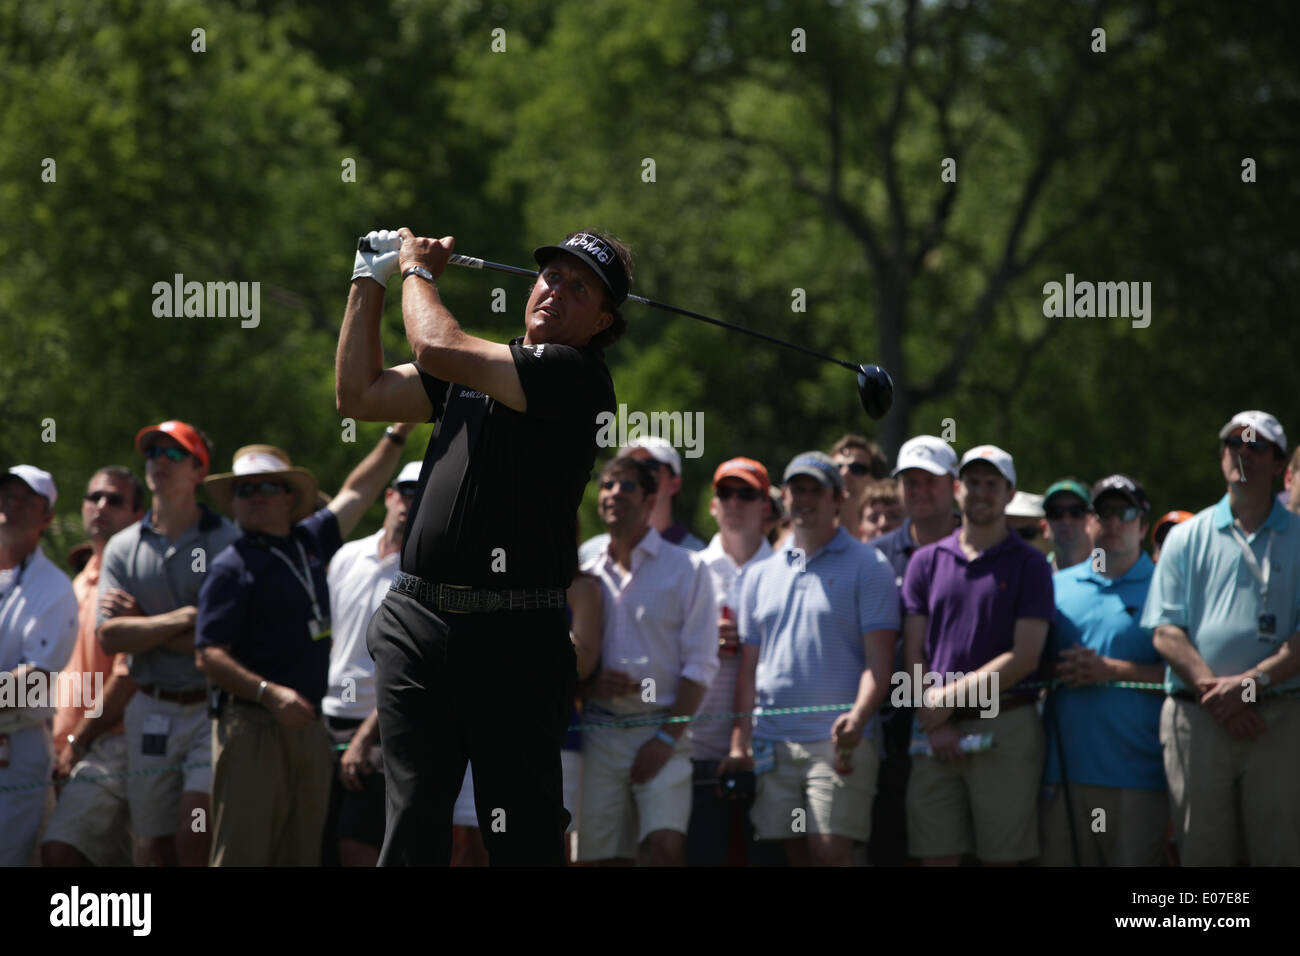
462, 599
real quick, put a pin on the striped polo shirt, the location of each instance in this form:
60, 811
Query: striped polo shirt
807, 616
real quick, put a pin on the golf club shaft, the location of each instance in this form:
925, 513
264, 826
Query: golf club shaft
470, 262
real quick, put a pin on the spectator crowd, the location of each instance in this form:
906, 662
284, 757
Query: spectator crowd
864, 664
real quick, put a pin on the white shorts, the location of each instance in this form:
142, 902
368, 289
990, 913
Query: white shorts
92, 815
31, 758
618, 814
155, 798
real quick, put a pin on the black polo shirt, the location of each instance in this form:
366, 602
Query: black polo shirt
252, 603
497, 505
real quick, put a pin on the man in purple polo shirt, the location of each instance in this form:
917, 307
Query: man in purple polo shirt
976, 608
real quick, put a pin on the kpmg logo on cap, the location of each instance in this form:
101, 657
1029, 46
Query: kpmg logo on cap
593, 246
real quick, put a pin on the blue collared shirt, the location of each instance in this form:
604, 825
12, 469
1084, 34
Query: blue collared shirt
1203, 585
1111, 735
807, 616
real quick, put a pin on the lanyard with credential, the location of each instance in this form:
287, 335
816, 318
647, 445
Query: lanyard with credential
304, 580
1252, 563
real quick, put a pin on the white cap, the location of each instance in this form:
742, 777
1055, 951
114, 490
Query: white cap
927, 453
660, 450
1264, 425
39, 481
410, 473
995, 456
1025, 505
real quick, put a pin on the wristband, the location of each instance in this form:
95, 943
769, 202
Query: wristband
394, 437
261, 689
667, 738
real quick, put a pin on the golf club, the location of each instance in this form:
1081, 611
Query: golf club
875, 387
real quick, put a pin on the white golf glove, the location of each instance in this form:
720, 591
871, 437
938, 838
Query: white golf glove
382, 263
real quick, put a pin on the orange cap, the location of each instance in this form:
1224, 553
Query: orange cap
747, 470
186, 435
1169, 517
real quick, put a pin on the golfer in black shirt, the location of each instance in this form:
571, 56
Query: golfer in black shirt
471, 646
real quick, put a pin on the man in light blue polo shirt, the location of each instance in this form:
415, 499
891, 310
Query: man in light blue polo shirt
817, 624
1110, 736
1225, 606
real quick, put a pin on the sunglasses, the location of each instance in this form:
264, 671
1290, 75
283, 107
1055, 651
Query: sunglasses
115, 500
625, 485
267, 488
744, 494
408, 488
1057, 512
173, 454
1236, 441
856, 468
1122, 512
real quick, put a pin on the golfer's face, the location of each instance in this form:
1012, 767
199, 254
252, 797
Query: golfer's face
565, 304
1256, 461
166, 477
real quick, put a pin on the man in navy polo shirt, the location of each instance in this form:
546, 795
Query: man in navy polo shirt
472, 654
263, 637
1110, 736
977, 604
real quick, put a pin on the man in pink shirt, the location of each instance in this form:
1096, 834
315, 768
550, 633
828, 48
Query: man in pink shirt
89, 825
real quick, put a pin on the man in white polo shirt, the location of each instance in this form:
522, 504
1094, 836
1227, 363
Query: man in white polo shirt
659, 653
38, 630
360, 574
1225, 606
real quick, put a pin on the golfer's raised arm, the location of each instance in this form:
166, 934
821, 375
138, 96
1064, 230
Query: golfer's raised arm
363, 388
441, 347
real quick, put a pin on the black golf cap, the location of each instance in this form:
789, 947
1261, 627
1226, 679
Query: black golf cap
1124, 487
596, 253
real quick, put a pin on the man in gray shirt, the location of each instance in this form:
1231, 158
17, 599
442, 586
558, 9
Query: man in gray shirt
148, 597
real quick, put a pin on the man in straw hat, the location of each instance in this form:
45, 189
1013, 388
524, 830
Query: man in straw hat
263, 637
471, 647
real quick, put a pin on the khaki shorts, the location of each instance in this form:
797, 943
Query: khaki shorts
155, 798
1211, 775
1130, 832
803, 793
92, 815
618, 814
984, 803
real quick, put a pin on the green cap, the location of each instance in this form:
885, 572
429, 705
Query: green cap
1073, 487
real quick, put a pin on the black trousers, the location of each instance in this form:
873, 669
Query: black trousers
888, 843
494, 689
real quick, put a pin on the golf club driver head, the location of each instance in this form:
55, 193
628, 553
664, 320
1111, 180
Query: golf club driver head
875, 389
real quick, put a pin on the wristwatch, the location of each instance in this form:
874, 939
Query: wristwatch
420, 271
393, 436
76, 746
1262, 678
